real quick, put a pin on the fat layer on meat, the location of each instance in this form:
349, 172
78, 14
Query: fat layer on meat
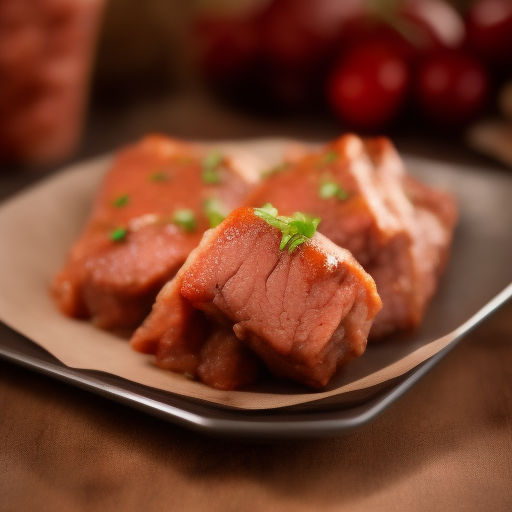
304, 313
399, 229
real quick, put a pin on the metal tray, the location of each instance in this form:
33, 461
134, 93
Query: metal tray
486, 196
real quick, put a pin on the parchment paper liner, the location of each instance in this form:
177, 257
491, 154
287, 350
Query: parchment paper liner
38, 226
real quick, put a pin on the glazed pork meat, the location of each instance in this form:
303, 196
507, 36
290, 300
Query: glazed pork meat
151, 211
267, 286
398, 229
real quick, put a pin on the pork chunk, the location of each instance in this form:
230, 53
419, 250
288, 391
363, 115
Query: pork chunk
150, 212
226, 363
398, 229
304, 313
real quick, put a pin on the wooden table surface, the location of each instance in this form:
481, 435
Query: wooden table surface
445, 445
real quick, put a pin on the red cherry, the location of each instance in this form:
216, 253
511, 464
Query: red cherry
451, 87
413, 28
369, 86
370, 31
435, 24
489, 27
295, 34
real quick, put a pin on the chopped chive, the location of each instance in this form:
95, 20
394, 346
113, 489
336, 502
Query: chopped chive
185, 219
210, 165
330, 157
213, 210
212, 159
296, 229
210, 176
121, 201
118, 234
159, 176
331, 189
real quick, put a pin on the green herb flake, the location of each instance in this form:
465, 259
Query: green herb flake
159, 176
121, 201
185, 219
212, 160
210, 165
210, 176
330, 189
118, 234
213, 210
330, 157
296, 230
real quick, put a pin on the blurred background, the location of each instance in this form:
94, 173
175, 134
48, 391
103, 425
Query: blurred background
80, 77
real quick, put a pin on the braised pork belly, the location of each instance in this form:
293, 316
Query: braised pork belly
398, 229
300, 303
239, 294
154, 204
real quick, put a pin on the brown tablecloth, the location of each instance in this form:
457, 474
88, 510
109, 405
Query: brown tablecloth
446, 445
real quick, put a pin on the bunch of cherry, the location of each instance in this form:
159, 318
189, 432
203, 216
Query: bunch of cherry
371, 62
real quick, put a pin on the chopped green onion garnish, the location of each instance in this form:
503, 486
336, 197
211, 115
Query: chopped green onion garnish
213, 210
212, 159
185, 219
331, 189
159, 176
330, 157
296, 229
118, 234
210, 166
121, 201
210, 176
